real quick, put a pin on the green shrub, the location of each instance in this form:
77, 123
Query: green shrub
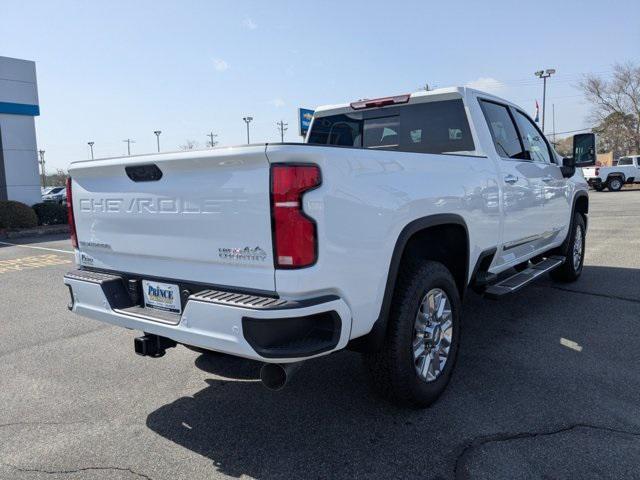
16, 215
50, 213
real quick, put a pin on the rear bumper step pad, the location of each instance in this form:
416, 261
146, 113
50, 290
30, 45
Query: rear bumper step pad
256, 302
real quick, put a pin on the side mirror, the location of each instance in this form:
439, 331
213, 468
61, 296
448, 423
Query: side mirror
584, 150
568, 167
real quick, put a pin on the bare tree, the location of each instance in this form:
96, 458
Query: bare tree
57, 179
189, 145
616, 107
564, 146
617, 133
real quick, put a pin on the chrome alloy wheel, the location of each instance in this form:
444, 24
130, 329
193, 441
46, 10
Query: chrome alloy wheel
432, 335
577, 248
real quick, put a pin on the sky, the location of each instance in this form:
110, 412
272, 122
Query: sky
108, 71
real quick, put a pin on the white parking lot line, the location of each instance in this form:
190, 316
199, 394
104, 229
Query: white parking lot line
570, 344
37, 248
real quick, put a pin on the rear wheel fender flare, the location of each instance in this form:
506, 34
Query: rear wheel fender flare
616, 174
580, 194
375, 337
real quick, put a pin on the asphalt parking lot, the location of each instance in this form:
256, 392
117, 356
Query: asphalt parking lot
547, 386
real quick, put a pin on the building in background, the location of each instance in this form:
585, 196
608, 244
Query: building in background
604, 159
19, 178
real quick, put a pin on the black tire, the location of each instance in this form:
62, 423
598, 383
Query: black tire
393, 369
598, 187
614, 184
569, 271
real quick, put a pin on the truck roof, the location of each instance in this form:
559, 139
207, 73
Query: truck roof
438, 94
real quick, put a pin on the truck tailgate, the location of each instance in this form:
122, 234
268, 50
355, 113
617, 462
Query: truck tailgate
207, 219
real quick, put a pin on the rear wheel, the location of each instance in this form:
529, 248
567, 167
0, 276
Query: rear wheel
614, 184
599, 187
571, 269
419, 353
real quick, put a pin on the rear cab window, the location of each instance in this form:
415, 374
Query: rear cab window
338, 130
439, 126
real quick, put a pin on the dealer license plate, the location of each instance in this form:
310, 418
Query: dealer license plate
163, 296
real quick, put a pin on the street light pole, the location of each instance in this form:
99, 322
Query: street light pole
247, 120
157, 133
44, 176
553, 112
544, 74
128, 141
91, 147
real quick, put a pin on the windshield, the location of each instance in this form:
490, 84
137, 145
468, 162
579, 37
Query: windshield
625, 161
53, 191
432, 127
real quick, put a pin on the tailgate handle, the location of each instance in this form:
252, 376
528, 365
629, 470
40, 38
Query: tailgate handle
144, 173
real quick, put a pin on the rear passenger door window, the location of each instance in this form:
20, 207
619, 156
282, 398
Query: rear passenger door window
534, 141
503, 130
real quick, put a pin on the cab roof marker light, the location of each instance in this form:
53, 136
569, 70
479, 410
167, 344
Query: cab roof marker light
381, 102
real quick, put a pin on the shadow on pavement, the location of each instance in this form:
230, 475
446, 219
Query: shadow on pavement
36, 239
625, 188
520, 402
605, 282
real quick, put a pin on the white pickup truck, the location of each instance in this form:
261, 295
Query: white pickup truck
627, 170
367, 236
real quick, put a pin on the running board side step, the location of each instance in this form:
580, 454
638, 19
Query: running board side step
523, 278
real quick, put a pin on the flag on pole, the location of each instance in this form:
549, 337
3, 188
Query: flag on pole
537, 112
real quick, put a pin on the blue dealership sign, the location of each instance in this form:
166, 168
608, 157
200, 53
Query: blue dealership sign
304, 120
21, 109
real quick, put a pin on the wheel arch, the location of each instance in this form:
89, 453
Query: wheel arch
617, 174
416, 238
580, 205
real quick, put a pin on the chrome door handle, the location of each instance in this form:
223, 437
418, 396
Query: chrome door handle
547, 179
510, 179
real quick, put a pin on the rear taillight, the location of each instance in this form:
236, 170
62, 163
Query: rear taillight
70, 217
295, 241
